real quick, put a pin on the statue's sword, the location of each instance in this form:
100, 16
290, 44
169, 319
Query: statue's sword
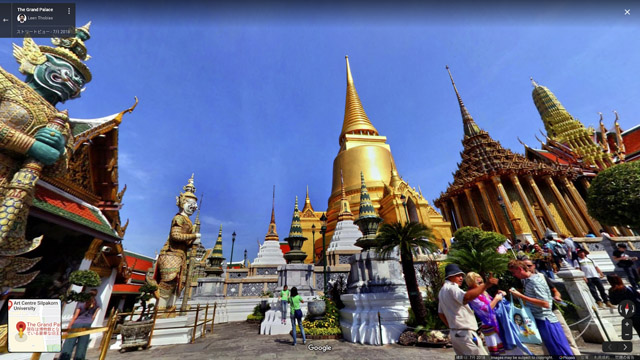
14, 209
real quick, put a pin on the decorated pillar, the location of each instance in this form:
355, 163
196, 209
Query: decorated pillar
527, 205
575, 212
500, 189
582, 206
543, 204
474, 213
456, 208
447, 210
487, 205
564, 205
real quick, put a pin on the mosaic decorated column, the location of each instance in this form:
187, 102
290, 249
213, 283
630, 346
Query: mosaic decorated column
474, 213
500, 189
456, 208
487, 205
527, 205
543, 204
564, 205
582, 207
447, 210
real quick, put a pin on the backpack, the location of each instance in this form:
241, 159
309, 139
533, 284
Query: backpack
559, 250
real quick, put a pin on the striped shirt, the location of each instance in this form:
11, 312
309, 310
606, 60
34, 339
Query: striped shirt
536, 287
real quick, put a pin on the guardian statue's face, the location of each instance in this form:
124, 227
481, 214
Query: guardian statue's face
58, 79
190, 206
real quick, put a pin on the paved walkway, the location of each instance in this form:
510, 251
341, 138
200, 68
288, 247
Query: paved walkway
240, 340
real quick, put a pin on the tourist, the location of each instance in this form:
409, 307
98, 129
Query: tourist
592, 275
455, 313
557, 297
543, 261
557, 250
284, 300
296, 313
483, 306
538, 296
590, 234
626, 263
605, 234
572, 251
83, 317
618, 292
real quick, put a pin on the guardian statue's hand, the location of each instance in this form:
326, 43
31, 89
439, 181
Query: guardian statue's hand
51, 137
44, 153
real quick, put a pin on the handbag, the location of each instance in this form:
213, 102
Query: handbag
528, 331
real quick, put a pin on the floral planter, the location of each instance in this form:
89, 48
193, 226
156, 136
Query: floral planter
135, 334
317, 309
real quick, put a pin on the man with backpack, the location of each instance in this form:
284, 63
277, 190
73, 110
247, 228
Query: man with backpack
557, 249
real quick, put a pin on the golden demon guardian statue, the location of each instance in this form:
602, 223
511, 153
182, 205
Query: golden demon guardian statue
171, 268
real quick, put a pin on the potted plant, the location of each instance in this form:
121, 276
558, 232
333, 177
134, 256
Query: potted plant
264, 305
136, 333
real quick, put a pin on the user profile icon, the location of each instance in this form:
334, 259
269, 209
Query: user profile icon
22, 18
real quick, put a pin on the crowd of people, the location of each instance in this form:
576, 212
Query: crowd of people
535, 265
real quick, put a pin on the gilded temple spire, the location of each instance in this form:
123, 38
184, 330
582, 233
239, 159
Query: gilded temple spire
272, 234
345, 209
307, 203
355, 119
470, 127
565, 129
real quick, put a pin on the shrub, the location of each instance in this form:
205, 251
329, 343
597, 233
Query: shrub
614, 195
331, 320
84, 278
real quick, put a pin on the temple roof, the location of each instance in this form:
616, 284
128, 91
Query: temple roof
51, 200
355, 119
484, 157
87, 129
307, 210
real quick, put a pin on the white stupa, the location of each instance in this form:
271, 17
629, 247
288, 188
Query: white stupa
270, 252
346, 232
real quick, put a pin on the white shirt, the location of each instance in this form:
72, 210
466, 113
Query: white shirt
451, 304
588, 268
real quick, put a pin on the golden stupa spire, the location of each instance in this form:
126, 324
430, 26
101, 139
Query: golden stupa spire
470, 127
395, 178
307, 203
272, 234
345, 209
355, 119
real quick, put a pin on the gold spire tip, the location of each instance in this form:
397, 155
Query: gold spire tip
533, 82
349, 77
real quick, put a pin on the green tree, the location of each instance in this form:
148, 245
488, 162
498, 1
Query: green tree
476, 250
614, 195
407, 238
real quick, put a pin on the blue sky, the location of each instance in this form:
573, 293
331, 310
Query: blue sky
248, 96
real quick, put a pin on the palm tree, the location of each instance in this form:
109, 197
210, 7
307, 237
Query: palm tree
476, 250
408, 238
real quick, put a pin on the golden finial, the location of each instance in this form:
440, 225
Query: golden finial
85, 29
349, 77
600, 117
617, 118
533, 82
355, 118
273, 206
342, 185
466, 117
